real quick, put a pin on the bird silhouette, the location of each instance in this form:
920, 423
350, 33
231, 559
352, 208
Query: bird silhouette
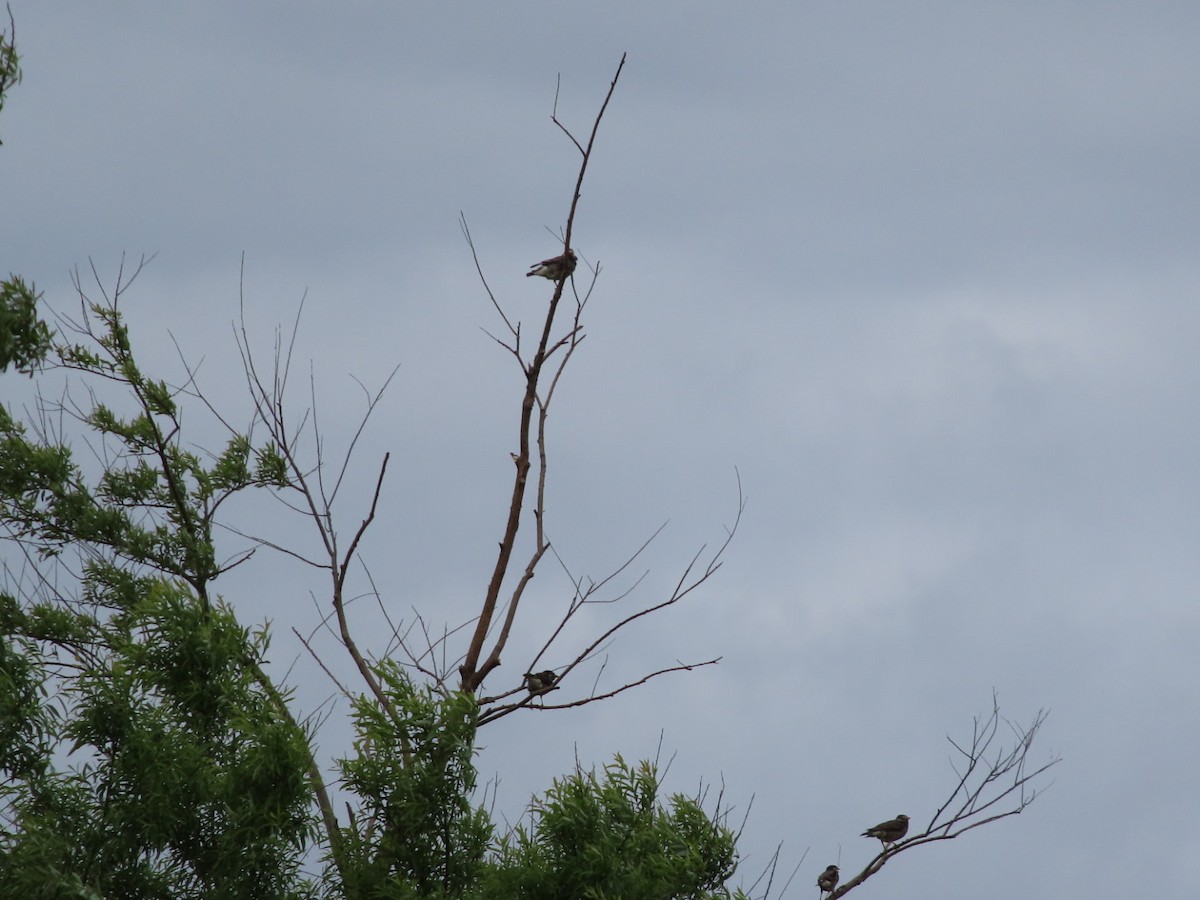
556, 268
890, 831
828, 879
538, 683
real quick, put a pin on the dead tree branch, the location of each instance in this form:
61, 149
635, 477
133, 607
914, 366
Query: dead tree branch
994, 782
480, 660
688, 581
316, 499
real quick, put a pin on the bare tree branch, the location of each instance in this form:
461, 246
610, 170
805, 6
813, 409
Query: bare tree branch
995, 783
477, 664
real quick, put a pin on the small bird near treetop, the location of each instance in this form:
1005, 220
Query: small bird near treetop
828, 879
540, 682
556, 268
890, 831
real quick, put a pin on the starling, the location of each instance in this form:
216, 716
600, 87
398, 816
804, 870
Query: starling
828, 879
538, 683
556, 268
890, 831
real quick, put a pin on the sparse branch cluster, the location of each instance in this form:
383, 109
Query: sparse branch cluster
542, 369
310, 484
314, 491
994, 782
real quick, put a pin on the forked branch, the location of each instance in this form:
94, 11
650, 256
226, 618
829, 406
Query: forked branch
479, 659
994, 782
692, 577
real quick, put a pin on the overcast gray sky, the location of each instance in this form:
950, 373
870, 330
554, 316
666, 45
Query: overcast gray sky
925, 274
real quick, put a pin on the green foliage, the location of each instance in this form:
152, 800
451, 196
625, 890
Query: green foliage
417, 833
183, 779
155, 502
26, 723
10, 65
25, 340
143, 752
601, 839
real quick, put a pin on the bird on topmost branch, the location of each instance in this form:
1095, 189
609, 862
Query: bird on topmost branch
556, 268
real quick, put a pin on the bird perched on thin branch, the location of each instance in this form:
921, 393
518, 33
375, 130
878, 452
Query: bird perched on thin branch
828, 879
890, 831
556, 268
538, 683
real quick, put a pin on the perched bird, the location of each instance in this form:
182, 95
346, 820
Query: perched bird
556, 268
538, 683
890, 831
828, 879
